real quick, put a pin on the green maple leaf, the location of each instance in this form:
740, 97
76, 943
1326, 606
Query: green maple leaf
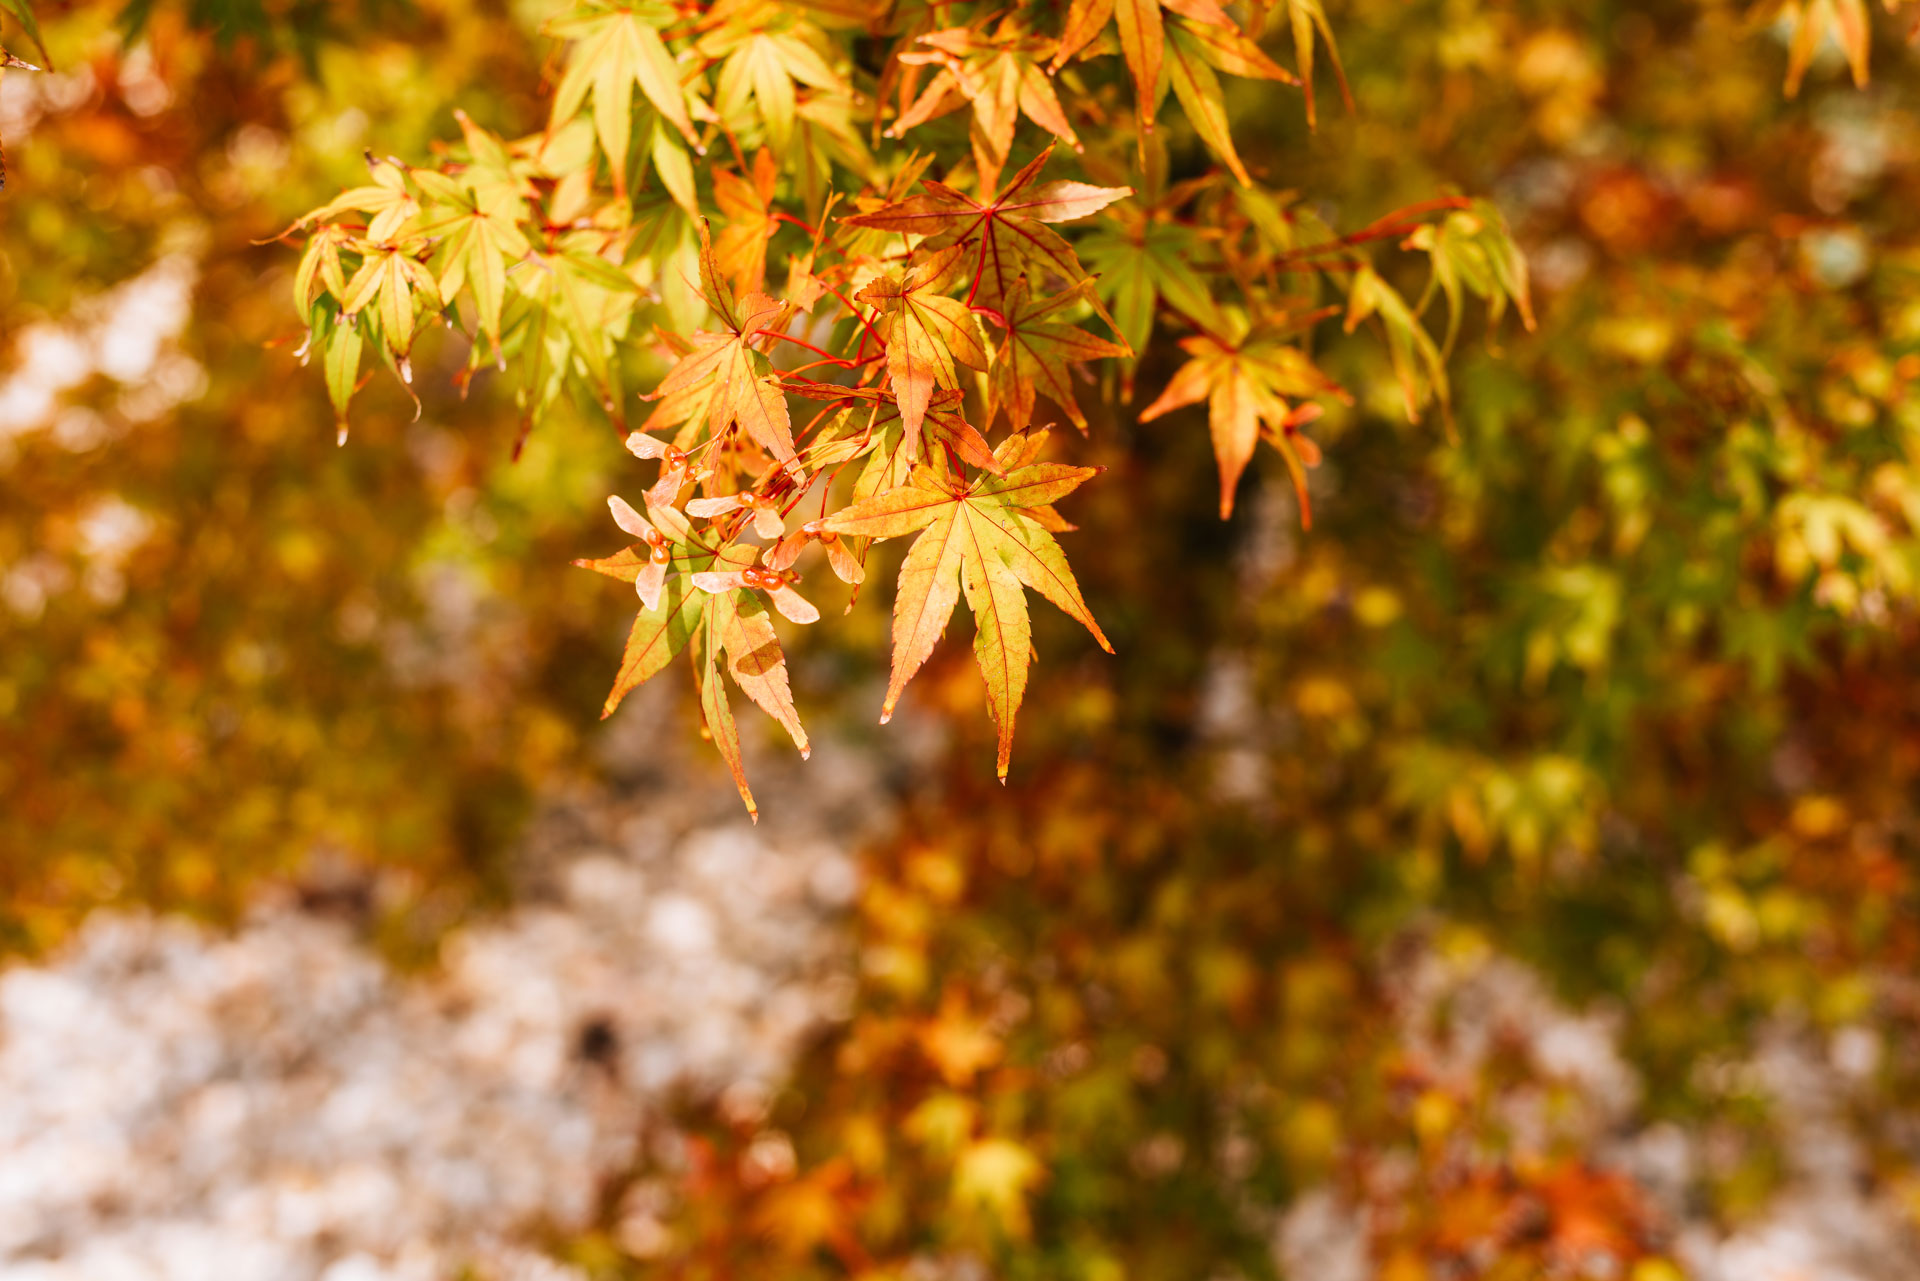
618, 46
479, 232
1417, 359
1473, 252
763, 58
395, 285
591, 299
1142, 262
342, 361
390, 200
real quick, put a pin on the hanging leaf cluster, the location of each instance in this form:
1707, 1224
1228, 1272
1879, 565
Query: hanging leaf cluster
875, 282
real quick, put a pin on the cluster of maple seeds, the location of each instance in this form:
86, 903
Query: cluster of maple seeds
766, 579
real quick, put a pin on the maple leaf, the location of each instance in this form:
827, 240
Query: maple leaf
490, 169
1245, 384
763, 56
722, 378
741, 247
1142, 39
1182, 54
476, 222
1000, 76
617, 46
590, 298
389, 200
662, 629
975, 536
1417, 360
888, 453
1139, 264
1009, 229
342, 363
736, 624
474, 214
1306, 17
1192, 53
395, 284
321, 269
1473, 252
702, 596
825, 136
926, 334
1035, 353
675, 167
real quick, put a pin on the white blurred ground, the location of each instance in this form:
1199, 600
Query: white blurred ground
277, 1106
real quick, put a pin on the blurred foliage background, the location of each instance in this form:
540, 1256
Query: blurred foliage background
206, 596
1611, 677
